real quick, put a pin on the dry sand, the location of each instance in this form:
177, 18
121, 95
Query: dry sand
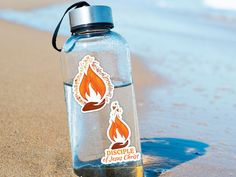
33, 130
34, 135
26, 4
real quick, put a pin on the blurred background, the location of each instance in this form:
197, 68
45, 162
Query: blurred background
184, 68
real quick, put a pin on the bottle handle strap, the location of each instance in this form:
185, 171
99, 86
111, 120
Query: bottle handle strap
54, 37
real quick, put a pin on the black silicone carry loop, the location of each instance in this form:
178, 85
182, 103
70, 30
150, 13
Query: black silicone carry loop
54, 37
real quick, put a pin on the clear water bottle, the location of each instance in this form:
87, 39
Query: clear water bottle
99, 96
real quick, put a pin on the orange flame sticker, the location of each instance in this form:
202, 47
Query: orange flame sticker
118, 131
92, 86
119, 134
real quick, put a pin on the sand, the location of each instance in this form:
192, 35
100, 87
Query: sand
26, 4
34, 134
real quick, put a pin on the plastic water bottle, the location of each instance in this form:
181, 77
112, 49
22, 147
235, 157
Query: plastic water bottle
99, 96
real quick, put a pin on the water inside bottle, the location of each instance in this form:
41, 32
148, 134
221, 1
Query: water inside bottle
88, 135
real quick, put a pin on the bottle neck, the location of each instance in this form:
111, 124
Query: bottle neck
92, 32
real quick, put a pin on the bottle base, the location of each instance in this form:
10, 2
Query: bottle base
132, 171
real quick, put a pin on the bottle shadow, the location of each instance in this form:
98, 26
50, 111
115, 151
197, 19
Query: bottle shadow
162, 154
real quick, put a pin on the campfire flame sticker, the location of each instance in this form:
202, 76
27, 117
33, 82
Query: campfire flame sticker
119, 134
92, 86
118, 131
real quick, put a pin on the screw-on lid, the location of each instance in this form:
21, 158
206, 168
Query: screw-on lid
90, 17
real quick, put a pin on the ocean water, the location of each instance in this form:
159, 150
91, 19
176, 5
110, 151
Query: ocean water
192, 45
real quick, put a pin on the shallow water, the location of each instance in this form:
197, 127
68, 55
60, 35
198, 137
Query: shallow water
162, 154
191, 45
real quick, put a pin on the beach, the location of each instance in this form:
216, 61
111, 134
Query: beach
34, 139
184, 83
34, 132
27, 5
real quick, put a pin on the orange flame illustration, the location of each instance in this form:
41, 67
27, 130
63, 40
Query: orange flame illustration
92, 87
118, 132
118, 129
96, 83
